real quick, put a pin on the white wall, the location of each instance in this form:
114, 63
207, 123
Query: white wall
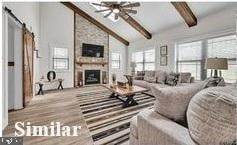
117, 47
4, 74
220, 23
28, 13
56, 30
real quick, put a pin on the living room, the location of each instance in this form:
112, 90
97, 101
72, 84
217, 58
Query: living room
126, 72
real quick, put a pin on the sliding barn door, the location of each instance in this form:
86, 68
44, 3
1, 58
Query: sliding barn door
28, 48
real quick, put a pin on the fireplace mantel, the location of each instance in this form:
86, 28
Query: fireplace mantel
90, 62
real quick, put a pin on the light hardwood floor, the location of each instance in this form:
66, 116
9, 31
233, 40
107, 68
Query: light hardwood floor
54, 106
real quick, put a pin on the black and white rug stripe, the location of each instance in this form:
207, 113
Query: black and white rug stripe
107, 121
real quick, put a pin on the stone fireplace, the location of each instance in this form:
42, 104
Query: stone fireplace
90, 70
92, 77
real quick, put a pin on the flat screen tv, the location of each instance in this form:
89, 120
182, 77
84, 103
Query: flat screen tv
91, 50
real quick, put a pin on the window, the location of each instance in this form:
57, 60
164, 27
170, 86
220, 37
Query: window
191, 56
224, 47
145, 60
115, 61
60, 59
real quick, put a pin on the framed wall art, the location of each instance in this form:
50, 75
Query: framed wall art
163, 60
163, 50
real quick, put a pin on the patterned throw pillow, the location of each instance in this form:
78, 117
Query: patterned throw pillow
172, 79
214, 82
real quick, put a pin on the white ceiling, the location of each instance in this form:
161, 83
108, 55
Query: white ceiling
154, 16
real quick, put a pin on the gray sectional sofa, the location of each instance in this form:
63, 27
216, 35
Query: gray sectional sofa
188, 115
162, 79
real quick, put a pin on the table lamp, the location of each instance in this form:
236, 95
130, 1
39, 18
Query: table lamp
216, 64
133, 65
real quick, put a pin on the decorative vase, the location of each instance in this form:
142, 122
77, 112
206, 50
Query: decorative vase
114, 78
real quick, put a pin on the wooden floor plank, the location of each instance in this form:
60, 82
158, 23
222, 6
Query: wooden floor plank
54, 106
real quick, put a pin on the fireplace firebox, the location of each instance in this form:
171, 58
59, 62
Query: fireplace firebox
92, 77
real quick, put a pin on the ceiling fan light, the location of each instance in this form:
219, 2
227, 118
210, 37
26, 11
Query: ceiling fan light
116, 10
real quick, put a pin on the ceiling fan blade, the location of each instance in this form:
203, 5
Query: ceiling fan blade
98, 11
109, 3
130, 11
108, 14
137, 4
116, 16
122, 3
101, 5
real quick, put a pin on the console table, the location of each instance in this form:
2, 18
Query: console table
42, 83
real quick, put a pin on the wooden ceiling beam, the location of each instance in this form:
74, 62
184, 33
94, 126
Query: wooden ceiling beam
127, 18
185, 11
94, 21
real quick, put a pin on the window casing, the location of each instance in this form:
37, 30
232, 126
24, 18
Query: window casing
145, 60
60, 59
224, 47
116, 62
191, 56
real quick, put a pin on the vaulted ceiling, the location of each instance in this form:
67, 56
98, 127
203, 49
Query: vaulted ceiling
154, 16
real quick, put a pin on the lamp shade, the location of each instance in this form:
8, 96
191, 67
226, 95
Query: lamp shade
133, 64
216, 63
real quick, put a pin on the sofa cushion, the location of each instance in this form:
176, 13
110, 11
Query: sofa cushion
211, 116
155, 129
172, 102
150, 76
160, 76
142, 83
185, 77
140, 75
172, 79
133, 127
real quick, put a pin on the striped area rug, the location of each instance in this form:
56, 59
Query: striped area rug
107, 121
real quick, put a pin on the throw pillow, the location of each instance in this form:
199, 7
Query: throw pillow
140, 75
172, 102
185, 77
211, 116
160, 76
150, 76
214, 82
172, 79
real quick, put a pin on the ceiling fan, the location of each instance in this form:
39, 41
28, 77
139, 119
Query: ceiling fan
118, 8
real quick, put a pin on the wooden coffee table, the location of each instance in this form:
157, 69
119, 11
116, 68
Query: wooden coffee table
129, 93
